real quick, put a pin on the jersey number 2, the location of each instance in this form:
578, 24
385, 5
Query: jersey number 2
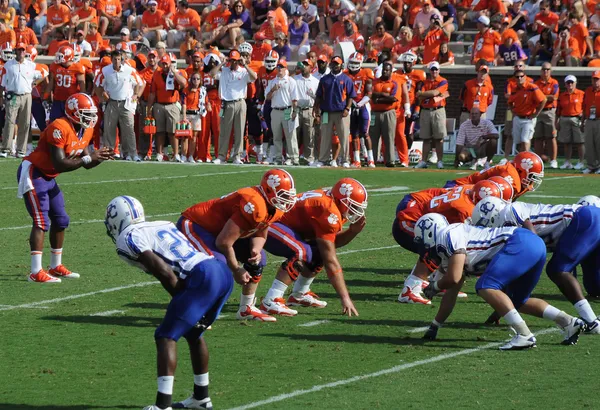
447, 197
178, 247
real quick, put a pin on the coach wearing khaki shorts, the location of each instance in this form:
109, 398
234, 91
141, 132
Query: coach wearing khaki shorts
544, 135
570, 115
433, 114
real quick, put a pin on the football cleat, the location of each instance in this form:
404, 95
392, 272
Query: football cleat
61, 272
276, 306
155, 407
192, 403
355, 164
421, 164
592, 328
409, 295
519, 342
309, 299
572, 331
371, 164
43, 277
252, 313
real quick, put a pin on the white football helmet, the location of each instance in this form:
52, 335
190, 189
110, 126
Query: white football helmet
487, 212
271, 60
245, 48
7, 52
408, 57
122, 212
427, 228
415, 156
355, 61
589, 200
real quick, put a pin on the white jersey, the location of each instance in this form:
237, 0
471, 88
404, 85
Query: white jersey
479, 244
549, 221
164, 239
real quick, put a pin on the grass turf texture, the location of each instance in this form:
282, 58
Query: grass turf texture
58, 356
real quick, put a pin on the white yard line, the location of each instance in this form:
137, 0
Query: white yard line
314, 323
391, 193
567, 177
418, 329
389, 189
108, 313
391, 370
550, 196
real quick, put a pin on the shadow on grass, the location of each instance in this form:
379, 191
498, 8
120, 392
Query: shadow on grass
147, 305
129, 321
370, 283
377, 271
413, 323
10, 406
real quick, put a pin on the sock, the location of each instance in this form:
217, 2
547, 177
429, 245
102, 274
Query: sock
356, 156
550, 312
36, 261
55, 257
247, 300
201, 386
514, 319
302, 285
277, 290
370, 155
413, 281
585, 310
165, 391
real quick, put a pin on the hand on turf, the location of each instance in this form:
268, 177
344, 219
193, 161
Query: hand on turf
430, 291
348, 308
431, 333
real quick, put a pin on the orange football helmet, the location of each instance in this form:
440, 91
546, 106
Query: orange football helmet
351, 198
31, 52
77, 52
530, 168
124, 48
484, 189
505, 187
278, 188
81, 109
64, 55
355, 61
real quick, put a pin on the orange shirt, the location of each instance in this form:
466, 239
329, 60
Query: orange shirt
440, 84
192, 99
26, 36
548, 88
570, 104
246, 207
260, 51
166, 6
414, 80
549, 19
591, 99
94, 40
390, 87
325, 50
38, 90
8, 36
110, 7
509, 33
58, 14
315, 216
189, 19
153, 19
281, 18
572, 44
147, 74
55, 45
217, 18
90, 12
360, 79
185, 46
61, 134
524, 101
595, 62
485, 45
511, 84
399, 49
506, 171
580, 32
158, 88
475, 94
263, 77
212, 86
251, 90
337, 30
385, 42
431, 44
65, 80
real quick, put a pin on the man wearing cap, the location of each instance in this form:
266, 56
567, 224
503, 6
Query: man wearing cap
332, 109
322, 67
486, 41
569, 115
526, 103
477, 92
86, 48
307, 86
153, 23
432, 38
163, 103
18, 76
545, 125
260, 48
161, 49
477, 138
591, 130
145, 141
385, 96
233, 87
424, 16
119, 86
432, 122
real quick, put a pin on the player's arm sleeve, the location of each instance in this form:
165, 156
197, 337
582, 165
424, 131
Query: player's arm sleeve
58, 138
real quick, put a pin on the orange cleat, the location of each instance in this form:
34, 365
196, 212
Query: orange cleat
43, 277
409, 295
309, 299
252, 313
61, 272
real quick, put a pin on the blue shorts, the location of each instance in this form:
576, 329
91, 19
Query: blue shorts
284, 242
517, 268
591, 274
579, 241
404, 239
450, 184
359, 122
206, 290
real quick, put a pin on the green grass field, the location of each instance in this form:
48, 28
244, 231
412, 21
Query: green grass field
58, 353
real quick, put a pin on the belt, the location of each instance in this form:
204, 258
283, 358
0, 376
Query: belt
232, 101
192, 112
524, 117
169, 103
570, 116
282, 108
432, 109
11, 93
117, 101
548, 109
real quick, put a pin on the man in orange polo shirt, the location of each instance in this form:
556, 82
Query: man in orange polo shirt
545, 19
385, 96
545, 129
581, 34
23, 33
381, 41
486, 41
433, 38
433, 114
526, 103
153, 23
591, 130
477, 92
568, 124
110, 12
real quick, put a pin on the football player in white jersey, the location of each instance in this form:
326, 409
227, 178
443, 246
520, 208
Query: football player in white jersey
572, 232
199, 285
510, 261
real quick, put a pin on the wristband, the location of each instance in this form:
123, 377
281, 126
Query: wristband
86, 159
436, 323
435, 286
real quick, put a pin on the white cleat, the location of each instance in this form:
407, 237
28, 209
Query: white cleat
579, 166
192, 403
159, 157
333, 164
217, 161
519, 342
421, 164
592, 328
276, 306
572, 331
154, 407
346, 165
587, 171
317, 164
413, 296
433, 158
137, 158
566, 165
252, 313
191, 160
309, 299
554, 164
237, 162
176, 158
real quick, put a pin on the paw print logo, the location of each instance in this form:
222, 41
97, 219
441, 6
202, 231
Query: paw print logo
333, 219
249, 208
57, 134
346, 190
509, 179
274, 181
73, 104
484, 192
526, 164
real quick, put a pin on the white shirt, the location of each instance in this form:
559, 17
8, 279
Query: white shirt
309, 12
287, 92
318, 75
18, 78
470, 135
307, 89
118, 84
233, 85
85, 46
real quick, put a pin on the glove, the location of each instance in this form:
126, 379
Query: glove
407, 112
415, 116
46, 105
431, 333
430, 290
254, 270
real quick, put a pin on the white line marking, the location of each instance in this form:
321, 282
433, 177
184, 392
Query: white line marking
389, 189
391, 193
391, 370
567, 177
549, 196
32, 307
222, 317
314, 323
418, 329
108, 313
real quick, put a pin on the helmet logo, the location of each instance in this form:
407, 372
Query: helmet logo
333, 219
346, 190
509, 179
273, 181
73, 104
249, 208
487, 208
425, 224
526, 164
484, 192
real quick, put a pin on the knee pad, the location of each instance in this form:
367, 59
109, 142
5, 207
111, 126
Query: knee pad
255, 271
61, 221
315, 267
293, 267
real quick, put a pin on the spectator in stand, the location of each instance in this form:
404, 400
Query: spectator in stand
510, 52
145, 141
281, 16
189, 43
37, 11
153, 23
58, 17
94, 38
58, 41
7, 13
351, 36
260, 48
110, 13
24, 34
542, 49
507, 32
591, 130
161, 49
240, 22
594, 21
309, 15
424, 16
559, 8
477, 138
445, 57
566, 49
284, 51
260, 8
569, 115
271, 27
320, 47
545, 19
530, 9
84, 16
390, 13
367, 12
518, 18
333, 10
486, 42
381, 41
385, 97
580, 33
544, 136
448, 13
86, 48
432, 39
298, 36
476, 93
168, 7
184, 20
338, 27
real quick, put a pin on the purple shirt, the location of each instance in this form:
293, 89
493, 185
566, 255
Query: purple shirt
512, 54
297, 34
246, 20
284, 51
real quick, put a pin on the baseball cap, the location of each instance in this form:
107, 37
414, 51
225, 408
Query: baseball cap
570, 78
104, 61
484, 20
260, 36
197, 55
596, 74
296, 14
125, 31
235, 55
153, 52
282, 63
21, 45
337, 59
434, 64
161, 44
80, 32
426, 2
485, 68
434, 17
166, 59
152, 3
307, 63
322, 57
344, 12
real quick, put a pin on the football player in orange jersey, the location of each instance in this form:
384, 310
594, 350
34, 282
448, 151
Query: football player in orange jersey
234, 228
66, 78
456, 204
265, 74
360, 116
86, 63
63, 147
308, 236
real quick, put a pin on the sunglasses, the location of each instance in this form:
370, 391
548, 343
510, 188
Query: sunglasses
570, 82
520, 76
195, 79
543, 9
280, 67
546, 69
434, 69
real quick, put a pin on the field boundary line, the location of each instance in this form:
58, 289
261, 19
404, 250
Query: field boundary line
391, 370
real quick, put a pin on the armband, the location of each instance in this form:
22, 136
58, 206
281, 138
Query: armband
86, 159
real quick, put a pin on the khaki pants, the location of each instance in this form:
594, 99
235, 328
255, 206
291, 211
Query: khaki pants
234, 116
166, 116
18, 112
433, 124
384, 128
545, 125
279, 126
592, 143
342, 129
116, 115
307, 131
570, 131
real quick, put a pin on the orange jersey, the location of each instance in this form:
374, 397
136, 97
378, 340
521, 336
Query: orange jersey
26, 36
431, 44
475, 94
147, 74
260, 51
360, 79
212, 86
385, 42
414, 81
89, 67
94, 40
524, 101
110, 7
485, 45
570, 44
61, 134
90, 12
251, 90
54, 46
570, 104
58, 14
246, 207
65, 80
38, 90
315, 216
440, 84
192, 99
153, 19
580, 32
217, 18
549, 87
548, 20
159, 88
264, 77
506, 171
